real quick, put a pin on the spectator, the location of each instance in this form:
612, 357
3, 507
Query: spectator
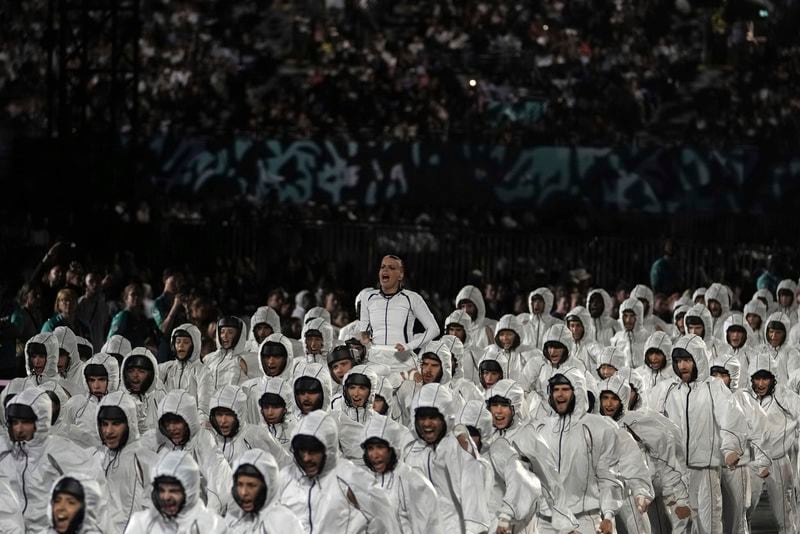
66, 309
170, 309
131, 322
93, 310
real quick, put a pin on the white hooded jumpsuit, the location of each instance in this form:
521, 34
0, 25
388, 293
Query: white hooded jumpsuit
582, 443
482, 328
272, 517
127, 468
411, 493
193, 517
712, 426
35, 464
80, 412
340, 499
453, 471
535, 329
604, 327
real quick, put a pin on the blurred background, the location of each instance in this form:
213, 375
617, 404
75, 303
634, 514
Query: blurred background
273, 147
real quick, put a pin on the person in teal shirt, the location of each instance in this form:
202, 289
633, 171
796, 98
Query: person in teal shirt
66, 308
131, 322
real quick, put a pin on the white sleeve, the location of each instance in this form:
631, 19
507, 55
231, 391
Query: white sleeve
421, 504
363, 318
423, 314
633, 467
533, 450
522, 488
731, 419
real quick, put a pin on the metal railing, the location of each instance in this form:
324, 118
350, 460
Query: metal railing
444, 259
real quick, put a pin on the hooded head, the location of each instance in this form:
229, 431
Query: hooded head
276, 355
32, 405
726, 365
91, 517
14, 388
612, 357
762, 366
41, 357
699, 315
238, 341
385, 392
140, 371
599, 305
658, 351
691, 347
699, 296
637, 387
176, 467
632, 305
436, 363
558, 345
434, 403
478, 421
645, 295
85, 349
460, 320
192, 332
360, 375
506, 392
68, 343
679, 314
101, 365
379, 431
319, 327
777, 321
614, 389
546, 295
766, 298
787, 287
580, 323
735, 326
118, 407
317, 312
261, 465
58, 397
578, 404
264, 316
176, 407
492, 367
507, 325
758, 311
718, 293
470, 299
277, 392
316, 432
228, 401
312, 378
117, 346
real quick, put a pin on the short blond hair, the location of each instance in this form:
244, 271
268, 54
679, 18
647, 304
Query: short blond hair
65, 293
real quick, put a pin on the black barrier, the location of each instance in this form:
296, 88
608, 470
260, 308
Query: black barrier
654, 181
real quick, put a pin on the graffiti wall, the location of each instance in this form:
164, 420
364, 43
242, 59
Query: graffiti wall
662, 180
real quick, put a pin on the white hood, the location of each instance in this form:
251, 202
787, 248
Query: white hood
474, 295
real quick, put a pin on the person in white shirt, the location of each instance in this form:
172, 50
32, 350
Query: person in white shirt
388, 315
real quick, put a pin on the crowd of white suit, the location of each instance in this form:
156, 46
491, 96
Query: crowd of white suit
527, 423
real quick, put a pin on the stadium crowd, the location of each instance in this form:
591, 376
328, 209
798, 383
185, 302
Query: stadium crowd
155, 416
591, 73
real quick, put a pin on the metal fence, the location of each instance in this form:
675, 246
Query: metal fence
442, 259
